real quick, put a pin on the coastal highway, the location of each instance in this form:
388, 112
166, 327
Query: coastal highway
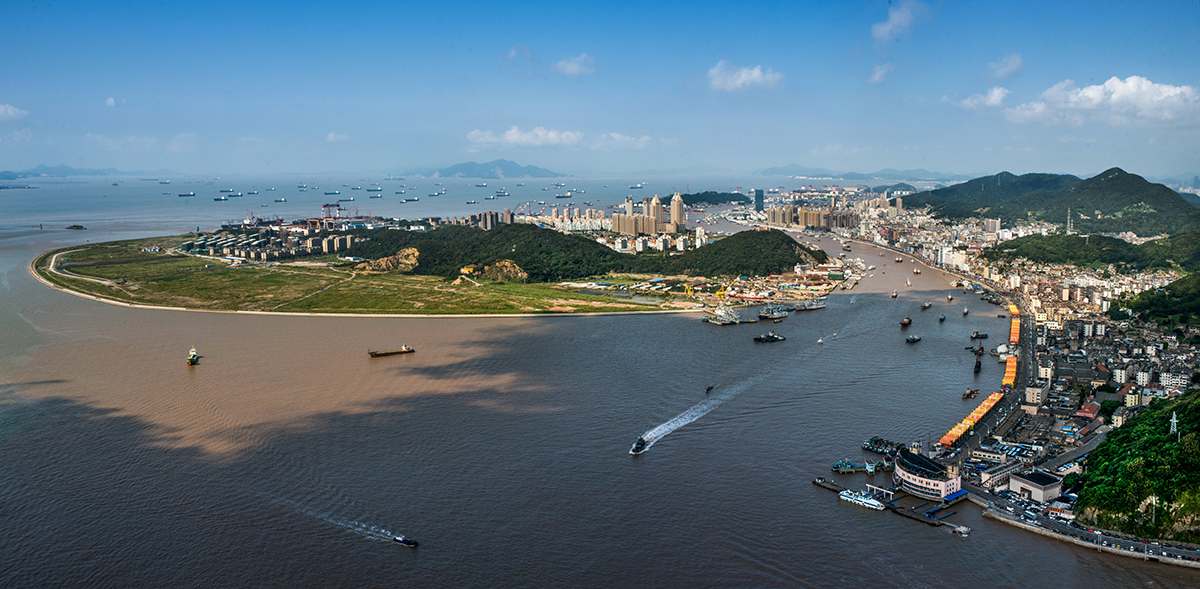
1017, 509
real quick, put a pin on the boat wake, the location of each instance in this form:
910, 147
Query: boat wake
698, 410
364, 530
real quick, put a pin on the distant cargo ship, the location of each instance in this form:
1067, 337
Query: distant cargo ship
403, 350
637, 186
334, 193
375, 189
281, 200
484, 185
187, 194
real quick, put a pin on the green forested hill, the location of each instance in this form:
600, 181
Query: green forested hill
547, 255
1181, 252
1145, 480
1110, 202
1176, 303
977, 197
711, 197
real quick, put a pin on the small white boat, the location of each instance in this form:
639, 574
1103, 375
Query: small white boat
820, 340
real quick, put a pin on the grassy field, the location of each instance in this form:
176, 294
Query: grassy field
148, 272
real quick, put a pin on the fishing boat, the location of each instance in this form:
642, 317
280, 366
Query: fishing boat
976, 335
916, 270
638, 447
769, 337
912, 339
406, 542
820, 340
907, 283
403, 350
906, 321
942, 318
926, 305
949, 297
861, 499
965, 311
772, 311
895, 294
193, 357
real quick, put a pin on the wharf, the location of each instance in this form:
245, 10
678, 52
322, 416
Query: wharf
832, 486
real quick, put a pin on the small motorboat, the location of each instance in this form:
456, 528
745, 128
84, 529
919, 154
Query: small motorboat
708, 389
906, 321
912, 339
193, 357
965, 311
895, 294
942, 318
638, 447
406, 542
820, 340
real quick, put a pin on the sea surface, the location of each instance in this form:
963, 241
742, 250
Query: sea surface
288, 458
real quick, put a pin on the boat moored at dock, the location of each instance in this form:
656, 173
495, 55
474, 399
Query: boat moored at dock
861, 499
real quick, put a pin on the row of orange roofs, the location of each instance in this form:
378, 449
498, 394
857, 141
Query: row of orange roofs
967, 424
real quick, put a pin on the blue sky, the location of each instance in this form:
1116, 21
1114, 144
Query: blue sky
603, 89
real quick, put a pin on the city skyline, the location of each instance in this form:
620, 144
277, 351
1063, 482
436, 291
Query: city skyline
613, 91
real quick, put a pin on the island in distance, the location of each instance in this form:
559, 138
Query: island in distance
493, 170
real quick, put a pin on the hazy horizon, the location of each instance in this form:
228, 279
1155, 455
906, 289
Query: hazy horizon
603, 92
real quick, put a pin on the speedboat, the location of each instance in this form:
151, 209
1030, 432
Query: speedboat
638, 447
820, 340
406, 542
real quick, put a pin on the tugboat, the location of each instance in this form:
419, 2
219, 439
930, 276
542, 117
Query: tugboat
403, 350
894, 294
193, 357
769, 337
976, 335
912, 339
406, 542
906, 321
926, 305
638, 447
942, 318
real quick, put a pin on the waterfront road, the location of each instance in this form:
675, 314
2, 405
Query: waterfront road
1020, 510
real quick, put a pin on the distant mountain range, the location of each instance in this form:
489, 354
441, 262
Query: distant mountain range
917, 175
493, 170
43, 171
1110, 202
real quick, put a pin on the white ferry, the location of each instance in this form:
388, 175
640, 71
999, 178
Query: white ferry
862, 499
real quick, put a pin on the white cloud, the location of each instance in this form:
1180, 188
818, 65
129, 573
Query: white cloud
331, 137
881, 71
22, 136
181, 142
9, 112
613, 141
993, 98
901, 17
126, 143
520, 62
1115, 102
1008, 66
728, 78
110, 102
576, 66
535, 137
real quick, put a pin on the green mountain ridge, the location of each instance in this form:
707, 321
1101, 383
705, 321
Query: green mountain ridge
975, 197
547, 255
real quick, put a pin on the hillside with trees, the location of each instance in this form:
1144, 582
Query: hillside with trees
1145, 480
1110, 202
1176, 303
1181, 252
978, 197
547, 255
713, 198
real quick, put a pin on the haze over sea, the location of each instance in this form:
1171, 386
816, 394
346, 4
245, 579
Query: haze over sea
288, 458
